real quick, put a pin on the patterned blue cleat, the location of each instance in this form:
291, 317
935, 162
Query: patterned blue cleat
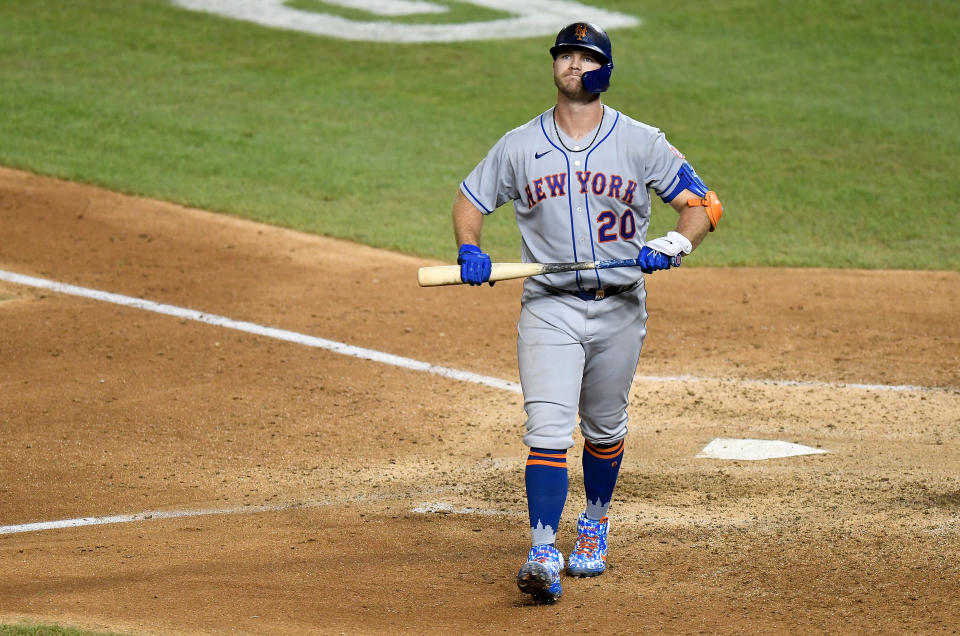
589, 556
540, 575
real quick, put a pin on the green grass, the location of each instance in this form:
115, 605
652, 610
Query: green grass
829, 129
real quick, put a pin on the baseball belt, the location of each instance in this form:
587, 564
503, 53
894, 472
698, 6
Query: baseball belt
594, 294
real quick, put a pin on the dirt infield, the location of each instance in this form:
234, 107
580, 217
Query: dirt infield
326, 467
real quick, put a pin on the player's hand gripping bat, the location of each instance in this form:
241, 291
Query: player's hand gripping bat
450, 274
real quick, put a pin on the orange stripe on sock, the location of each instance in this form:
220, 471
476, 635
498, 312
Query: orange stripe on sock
604, 453
557, 456
540, 462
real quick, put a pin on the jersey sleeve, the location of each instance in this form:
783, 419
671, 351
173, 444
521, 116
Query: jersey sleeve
663, 163
493, 181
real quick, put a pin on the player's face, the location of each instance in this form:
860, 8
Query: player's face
567, 69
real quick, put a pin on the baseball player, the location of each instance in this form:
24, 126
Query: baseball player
580, 176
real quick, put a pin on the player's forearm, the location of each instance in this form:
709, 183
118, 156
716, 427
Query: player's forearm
693, 224
467, 221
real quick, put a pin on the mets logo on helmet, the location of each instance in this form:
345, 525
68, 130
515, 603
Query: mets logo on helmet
581, 31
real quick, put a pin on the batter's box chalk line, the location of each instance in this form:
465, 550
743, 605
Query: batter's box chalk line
157, 515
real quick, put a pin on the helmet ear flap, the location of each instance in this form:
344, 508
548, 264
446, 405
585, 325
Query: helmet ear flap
598, 80
586, 35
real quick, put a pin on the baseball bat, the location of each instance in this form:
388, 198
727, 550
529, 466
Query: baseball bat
450, 274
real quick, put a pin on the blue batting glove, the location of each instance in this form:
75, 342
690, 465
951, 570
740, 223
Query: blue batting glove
651, 260
475, 265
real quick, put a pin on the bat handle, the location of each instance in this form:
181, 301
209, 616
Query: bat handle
630, 262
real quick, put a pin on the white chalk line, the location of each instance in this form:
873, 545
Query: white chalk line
388, 358
260, 330
80, 522
144, 516
152, 515
320, 343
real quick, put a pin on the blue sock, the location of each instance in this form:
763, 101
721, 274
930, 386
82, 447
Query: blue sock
546, 478
601, 465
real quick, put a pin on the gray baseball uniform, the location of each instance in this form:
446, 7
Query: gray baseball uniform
578, 200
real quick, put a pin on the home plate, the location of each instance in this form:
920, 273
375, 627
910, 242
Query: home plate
751, 449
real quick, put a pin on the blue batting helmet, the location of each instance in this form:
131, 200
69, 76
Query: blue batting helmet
588, 36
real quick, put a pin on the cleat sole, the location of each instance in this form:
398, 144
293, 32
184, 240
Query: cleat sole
534, 579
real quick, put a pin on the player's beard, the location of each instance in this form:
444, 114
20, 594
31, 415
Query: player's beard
574, 91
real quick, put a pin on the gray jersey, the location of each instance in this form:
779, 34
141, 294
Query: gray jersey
578, 205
